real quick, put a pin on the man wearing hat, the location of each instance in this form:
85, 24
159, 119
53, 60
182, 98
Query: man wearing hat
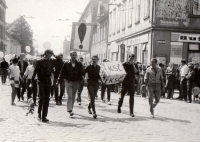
22, 67
128, 84
44, 70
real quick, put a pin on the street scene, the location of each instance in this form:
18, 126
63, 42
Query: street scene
99, 70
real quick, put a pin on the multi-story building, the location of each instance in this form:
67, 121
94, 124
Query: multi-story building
12, 46
100, 31
165, 29
2, 25
89, 15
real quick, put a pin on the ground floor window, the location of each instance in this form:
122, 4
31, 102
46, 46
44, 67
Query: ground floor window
115, 56
194, 53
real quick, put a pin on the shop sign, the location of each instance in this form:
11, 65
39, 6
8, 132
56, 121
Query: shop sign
176, 52
161, 41
186, 37
138, 40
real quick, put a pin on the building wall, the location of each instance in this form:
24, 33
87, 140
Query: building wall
2, 25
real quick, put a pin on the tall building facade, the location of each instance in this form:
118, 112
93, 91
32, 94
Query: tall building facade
166, 30
2, 25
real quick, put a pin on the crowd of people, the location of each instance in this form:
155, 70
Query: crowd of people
47, 76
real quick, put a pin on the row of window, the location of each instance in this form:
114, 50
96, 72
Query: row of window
100, 33
126, 13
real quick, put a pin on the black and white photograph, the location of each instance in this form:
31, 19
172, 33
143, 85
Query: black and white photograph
99, 70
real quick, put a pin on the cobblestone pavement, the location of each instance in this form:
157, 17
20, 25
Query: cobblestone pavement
175, 121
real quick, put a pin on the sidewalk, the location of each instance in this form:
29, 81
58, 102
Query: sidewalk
175, 121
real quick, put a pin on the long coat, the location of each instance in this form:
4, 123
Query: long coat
170, 78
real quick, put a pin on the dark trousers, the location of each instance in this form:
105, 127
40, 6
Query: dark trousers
35, 90
52, 90
80, 89
44, 91
170, 93
3, 76
127, 88
93, 87
183, 83
30, 89
61, 83
18, 92
23, 86
103, 89
189, 92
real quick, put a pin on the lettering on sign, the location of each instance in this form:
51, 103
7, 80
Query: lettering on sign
116, 79
116, 67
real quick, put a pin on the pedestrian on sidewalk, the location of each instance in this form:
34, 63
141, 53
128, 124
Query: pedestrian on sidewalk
72, 71
22, 66
183, 81
35, 84
190, 82
103, 89
128, 84
92, 83
44, 70
154, 81
81, 83
170, 80
15, 76
4, 66
28, 74
59, 80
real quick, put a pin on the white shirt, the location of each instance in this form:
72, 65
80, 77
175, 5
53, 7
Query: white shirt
184, 70
29, 71
14, 72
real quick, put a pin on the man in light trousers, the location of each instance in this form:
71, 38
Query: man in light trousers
73, 74
154, 81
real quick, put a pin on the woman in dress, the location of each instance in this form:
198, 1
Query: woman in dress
170, 80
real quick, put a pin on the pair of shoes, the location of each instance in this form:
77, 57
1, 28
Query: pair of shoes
71, 113
89, 111
94, 116
119, 110
60, 103
35, 104
13, 104
132, 115
109, 103
45, 120
79, 103
152, 115
189, 101
96, 96
103, 101
57, 103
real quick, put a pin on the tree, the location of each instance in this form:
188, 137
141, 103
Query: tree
21, 31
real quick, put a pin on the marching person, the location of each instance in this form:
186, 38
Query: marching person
35, 84
4, 66
22, 66
44, 70
72, 71
28, 75
92, 83
59, 79
154, 81
80, 84
103, 89
128, 84
183, 82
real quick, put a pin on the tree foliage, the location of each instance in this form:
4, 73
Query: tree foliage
21, 31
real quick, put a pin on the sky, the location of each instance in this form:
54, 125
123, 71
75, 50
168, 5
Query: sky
45, 26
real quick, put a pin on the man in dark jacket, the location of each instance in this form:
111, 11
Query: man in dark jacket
4, 66
59, 79
92, 82
22, 67
73, 74
128, 84
44, 70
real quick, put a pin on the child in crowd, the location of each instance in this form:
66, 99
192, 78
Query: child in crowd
14, 78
